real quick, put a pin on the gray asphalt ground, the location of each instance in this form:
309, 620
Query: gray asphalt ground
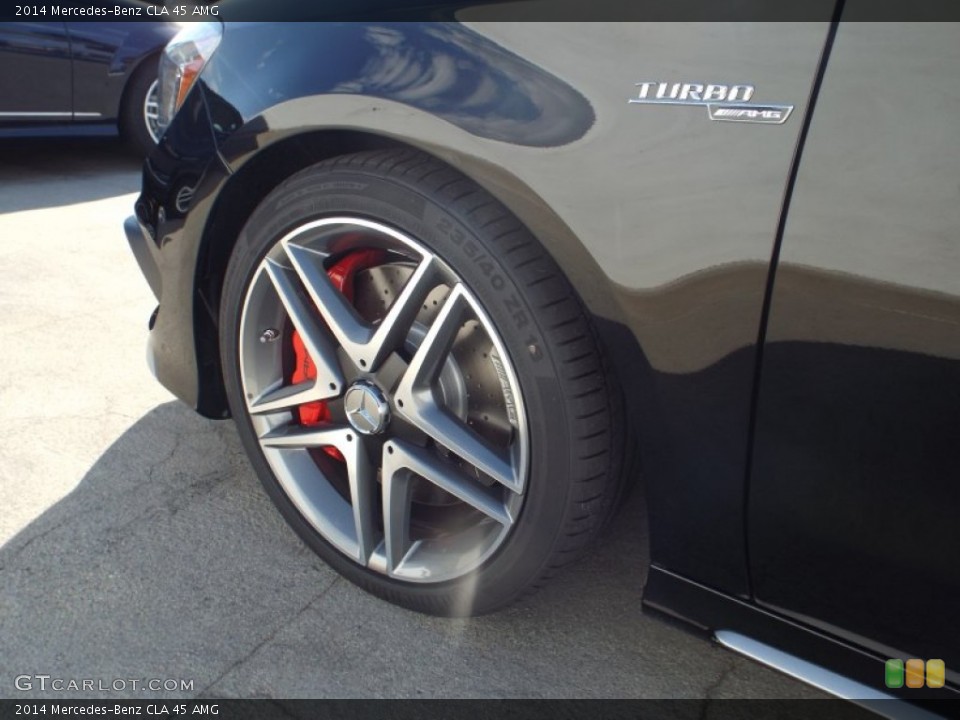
136, 543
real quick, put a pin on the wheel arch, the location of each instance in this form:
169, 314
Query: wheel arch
242, 192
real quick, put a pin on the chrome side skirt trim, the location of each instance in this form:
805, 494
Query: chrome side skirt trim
49, 114
36, 114
823, 679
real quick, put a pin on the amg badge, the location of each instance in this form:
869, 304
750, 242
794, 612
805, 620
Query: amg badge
729, 103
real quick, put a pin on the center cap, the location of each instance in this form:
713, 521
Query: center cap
366, 408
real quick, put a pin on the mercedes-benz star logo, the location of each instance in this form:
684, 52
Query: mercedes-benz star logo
366, 408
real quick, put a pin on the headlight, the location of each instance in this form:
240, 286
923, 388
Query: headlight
182, 62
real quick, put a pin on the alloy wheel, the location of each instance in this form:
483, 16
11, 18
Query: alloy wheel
383, 399
151, 111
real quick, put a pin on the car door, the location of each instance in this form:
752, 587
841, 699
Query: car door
854, 495
35, 73
98, 73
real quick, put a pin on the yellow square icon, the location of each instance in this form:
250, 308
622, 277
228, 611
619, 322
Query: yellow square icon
936, 671
914, 673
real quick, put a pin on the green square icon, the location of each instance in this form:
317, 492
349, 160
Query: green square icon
893, 675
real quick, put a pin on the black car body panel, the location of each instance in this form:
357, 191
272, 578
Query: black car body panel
442, 68
757, 480
856, 453
35, 70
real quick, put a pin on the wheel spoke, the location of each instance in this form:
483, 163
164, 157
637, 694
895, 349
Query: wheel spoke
397, 496
458, 437
366, 345
400, 456
431, 353
363, 486
393, 329
305, 436
361, 474
329, 382
416, 398
288, 397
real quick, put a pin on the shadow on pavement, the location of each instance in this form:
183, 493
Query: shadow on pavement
48, 172
168, 561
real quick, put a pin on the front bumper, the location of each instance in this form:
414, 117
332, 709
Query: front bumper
145, 252
182, 178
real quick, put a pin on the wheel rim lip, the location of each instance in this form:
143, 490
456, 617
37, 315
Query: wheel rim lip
151, 111
314, 505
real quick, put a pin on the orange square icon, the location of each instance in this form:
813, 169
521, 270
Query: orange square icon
914, 673
935, 673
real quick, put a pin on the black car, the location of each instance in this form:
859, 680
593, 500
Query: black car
460, 285
63, 77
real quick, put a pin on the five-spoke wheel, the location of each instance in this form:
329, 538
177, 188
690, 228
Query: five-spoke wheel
418, 465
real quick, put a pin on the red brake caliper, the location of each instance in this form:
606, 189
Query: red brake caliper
342, 273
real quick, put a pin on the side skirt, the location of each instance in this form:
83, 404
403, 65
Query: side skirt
828, 663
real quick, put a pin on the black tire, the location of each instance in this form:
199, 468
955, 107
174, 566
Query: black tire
132, 121
577, 436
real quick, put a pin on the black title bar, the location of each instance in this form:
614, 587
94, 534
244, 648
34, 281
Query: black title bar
494, 10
